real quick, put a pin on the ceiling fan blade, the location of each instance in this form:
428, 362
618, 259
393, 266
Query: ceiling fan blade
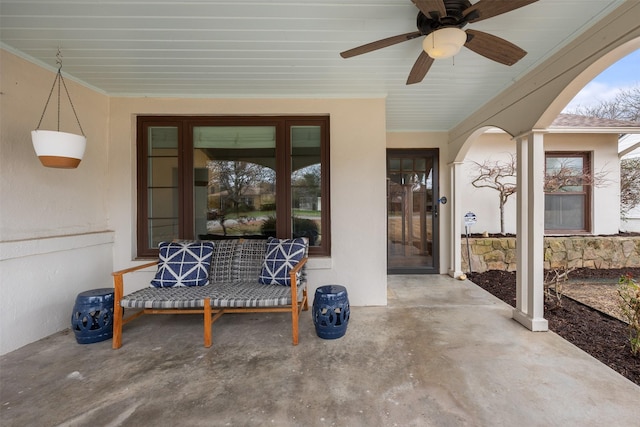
488, 8
429, 6
420, 68
494, 47
370, 47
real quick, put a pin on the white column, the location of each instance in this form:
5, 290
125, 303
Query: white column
529, 309
455, 190
522, 221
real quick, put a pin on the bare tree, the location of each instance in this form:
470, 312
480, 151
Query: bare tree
629, 185
565, 176
624, 106
499, 176
307, 184
233, 179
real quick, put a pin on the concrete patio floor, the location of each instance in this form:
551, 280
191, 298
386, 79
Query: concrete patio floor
442, 353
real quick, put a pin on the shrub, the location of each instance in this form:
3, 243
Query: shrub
301, 228
268, 227
553, 283
629, 292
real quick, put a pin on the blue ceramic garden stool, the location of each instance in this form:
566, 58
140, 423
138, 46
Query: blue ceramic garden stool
92, 317
331, 311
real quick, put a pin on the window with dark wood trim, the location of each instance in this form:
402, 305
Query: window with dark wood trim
218, 177
567, 201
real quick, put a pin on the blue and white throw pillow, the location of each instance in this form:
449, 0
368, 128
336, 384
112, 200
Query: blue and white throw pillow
183, 264
281, 256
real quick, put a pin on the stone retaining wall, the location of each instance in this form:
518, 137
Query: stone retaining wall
490, 253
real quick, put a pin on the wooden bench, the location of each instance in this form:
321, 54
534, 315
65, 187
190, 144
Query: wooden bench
233, 288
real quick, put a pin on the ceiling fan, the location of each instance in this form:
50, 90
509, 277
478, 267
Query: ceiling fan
441, 21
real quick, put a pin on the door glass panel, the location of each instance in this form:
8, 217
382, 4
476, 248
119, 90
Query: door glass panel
411, 214
234, 181
306, 179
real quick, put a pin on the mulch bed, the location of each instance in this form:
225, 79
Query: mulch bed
602, 336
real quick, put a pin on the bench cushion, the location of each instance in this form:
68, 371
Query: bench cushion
281, 256
223, 295
183, 264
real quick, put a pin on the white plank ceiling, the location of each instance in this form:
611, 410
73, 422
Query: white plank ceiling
282, 49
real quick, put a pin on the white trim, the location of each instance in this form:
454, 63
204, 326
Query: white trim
39, 246
614, 130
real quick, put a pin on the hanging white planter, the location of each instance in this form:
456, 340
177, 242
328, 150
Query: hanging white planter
57, 149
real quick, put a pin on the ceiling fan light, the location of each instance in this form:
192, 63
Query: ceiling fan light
444, 43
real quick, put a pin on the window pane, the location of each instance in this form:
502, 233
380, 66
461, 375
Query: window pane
162, 184
163, 172
234, 180
163, 203
162, 230
163, 141
564, 212
564, 174
306, 183
242, 172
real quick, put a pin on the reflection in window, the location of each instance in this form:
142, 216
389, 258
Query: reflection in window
306, 183
238, 196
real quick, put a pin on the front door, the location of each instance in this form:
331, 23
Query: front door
412, 211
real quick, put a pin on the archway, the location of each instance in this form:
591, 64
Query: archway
525, 110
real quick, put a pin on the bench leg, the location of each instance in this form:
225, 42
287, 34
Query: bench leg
117, 313
117, 327
295, 317
207, 323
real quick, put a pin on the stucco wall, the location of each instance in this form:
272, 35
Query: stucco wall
357, 132
55, 230
54, 238
484, 201
605, 211
632, 222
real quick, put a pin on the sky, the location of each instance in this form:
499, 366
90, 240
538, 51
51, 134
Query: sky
623, 74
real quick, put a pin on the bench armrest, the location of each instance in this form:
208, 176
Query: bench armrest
118, 281
294, 279
295, 270
130, 269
